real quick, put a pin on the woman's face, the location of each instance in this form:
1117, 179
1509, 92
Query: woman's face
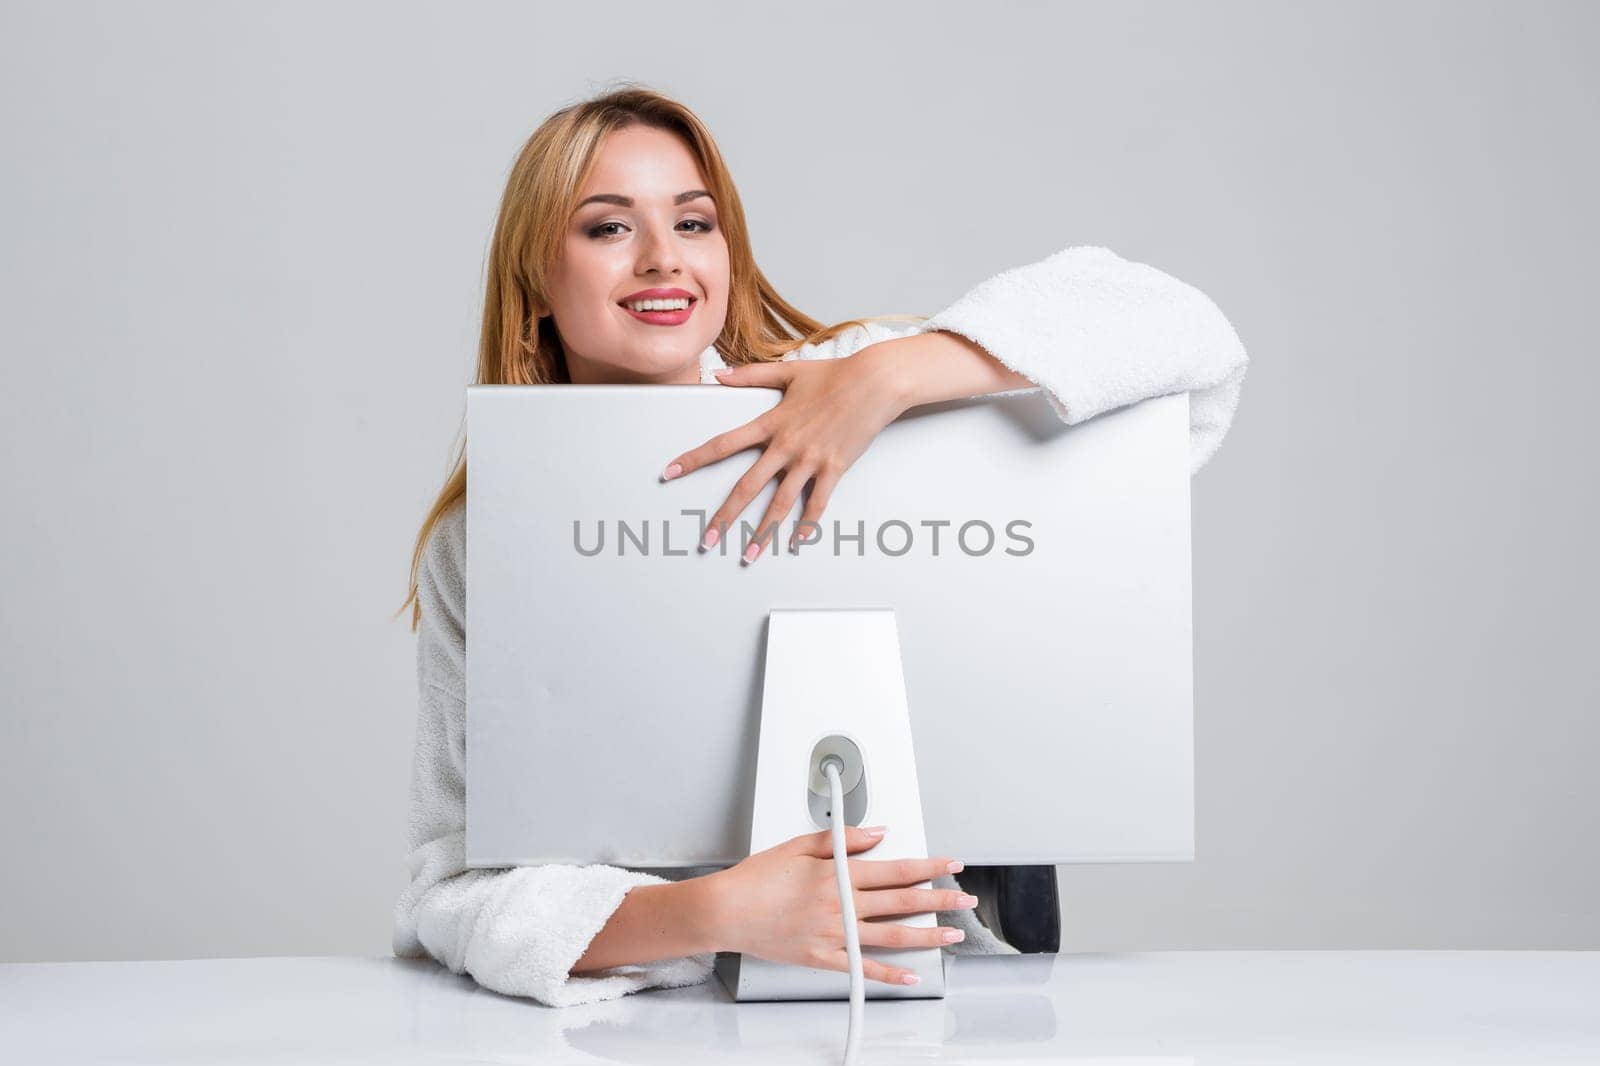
644, 222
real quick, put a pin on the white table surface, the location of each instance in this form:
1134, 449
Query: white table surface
1209, 1008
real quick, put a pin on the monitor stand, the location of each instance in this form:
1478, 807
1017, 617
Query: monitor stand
833, 681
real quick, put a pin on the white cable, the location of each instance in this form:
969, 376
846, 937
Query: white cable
847, 904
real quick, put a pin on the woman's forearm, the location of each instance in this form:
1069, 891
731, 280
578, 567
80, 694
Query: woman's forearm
654, 922
939, 365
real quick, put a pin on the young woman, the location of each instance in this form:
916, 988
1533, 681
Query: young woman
621, 255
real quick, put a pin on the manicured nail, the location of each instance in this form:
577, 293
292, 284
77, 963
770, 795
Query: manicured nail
710, 540
874, 831
672, 471
909, 979
967, 901
954, 936
956, 867
751, 552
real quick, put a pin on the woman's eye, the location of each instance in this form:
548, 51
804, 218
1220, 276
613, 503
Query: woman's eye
605, 229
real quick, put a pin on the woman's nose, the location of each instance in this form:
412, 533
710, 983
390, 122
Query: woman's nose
659, 251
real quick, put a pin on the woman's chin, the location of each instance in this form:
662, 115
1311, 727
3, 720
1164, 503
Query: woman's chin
679, 367
668, 360
675, 360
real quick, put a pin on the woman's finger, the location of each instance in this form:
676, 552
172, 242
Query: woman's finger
772, 375
899, 873
782, 503
820, 845
873, 970
896, 935
811, 518
745, 489
880, 903
719, 448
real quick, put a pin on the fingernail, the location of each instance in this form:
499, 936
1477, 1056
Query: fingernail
954, 936
967, 901
956, 867
672, 471
727, 370
751, 552
874, 831
909, 979
710, 540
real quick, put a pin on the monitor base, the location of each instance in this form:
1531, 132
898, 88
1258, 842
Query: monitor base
836, 672
749, 979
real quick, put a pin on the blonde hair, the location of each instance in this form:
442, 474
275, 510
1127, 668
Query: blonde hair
518, 347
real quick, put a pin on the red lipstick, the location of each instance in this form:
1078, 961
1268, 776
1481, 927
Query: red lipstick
660, 318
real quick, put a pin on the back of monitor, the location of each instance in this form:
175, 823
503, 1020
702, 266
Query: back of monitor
614, 695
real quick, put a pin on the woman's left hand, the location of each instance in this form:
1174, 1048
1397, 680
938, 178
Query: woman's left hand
831, 410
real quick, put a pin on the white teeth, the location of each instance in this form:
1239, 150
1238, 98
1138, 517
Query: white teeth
678, 304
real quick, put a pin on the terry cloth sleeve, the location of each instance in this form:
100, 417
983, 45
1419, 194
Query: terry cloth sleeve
1097, 332
519, 930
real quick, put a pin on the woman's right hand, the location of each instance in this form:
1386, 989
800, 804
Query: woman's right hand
783, 904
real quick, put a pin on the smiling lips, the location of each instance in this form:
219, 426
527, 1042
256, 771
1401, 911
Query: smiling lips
660, 307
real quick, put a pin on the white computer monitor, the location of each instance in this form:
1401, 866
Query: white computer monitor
614, 696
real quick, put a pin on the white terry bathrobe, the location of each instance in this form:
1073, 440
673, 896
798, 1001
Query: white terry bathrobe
1093, 330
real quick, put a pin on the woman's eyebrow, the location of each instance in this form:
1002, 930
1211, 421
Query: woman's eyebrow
627, 201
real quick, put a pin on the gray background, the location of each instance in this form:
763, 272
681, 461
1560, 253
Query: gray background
242, 260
